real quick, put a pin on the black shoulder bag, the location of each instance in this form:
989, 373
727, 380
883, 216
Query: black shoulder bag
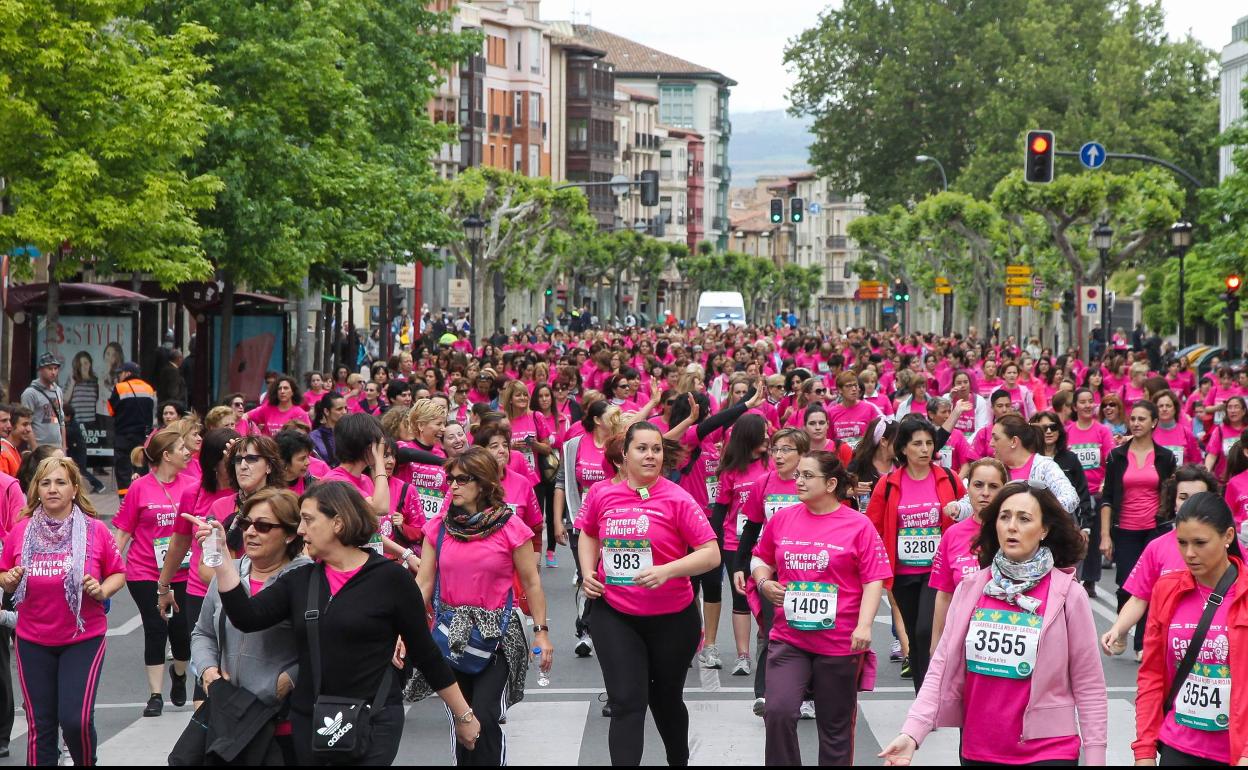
341, 727
1198, 638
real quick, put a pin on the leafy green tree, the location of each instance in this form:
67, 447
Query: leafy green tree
97, 110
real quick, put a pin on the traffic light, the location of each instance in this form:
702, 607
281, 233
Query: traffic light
1068, 302
549, 291
357, 274
1231, 297
901, 292
1039, 164
777, 211
1233, 282
797, 209
650, 188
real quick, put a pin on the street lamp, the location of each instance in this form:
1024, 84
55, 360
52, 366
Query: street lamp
944, 181
1103, 238
474, 230
1181, 240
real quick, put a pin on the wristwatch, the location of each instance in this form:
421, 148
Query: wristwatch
536, 628
465, 717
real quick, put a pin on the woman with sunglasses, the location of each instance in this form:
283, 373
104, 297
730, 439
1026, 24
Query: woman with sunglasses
1134, 476
198, 501
1221, 437
907, 508
1054, 446
812, 391
822, 567
640, 542
263, 663
1204, 724
1042, 700
144, 527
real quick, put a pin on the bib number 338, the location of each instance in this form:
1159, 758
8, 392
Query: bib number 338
624, 559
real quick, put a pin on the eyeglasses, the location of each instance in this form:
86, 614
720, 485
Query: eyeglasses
1047, 427
237, 405
810, 476
819, 391
249, 459
263, 527
561, 387
461, 479
782, 450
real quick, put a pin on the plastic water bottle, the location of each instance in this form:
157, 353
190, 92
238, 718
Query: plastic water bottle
213, 556
543, 679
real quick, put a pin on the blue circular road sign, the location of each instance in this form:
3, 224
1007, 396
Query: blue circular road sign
1092, 155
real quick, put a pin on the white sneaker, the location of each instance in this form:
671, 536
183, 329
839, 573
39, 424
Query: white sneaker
760, 706
743, 666
584, 647
710, 657
894, 652
807, 711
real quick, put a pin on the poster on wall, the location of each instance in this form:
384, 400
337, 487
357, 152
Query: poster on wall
258, 346
92, 350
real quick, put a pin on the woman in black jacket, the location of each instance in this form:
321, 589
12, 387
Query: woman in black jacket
1054, 435
381, 604
1131, 497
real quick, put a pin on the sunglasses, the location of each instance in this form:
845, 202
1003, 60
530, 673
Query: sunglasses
461, 479
1048, 427
561, 387
263, 527
237, 405
249, 459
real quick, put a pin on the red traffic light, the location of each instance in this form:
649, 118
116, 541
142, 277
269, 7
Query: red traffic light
1039, 143
1233, 282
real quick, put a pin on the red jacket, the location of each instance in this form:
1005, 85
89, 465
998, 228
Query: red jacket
882, 510
1153, 683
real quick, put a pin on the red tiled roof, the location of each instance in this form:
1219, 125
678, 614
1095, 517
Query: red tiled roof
631, 57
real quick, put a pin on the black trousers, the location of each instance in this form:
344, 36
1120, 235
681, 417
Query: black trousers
545, 492
766, 613
644, 660
156, 629
7, 702
1129, 545
916, 601
1171, 757
1092, 562
192, 607
122, 469
484, 692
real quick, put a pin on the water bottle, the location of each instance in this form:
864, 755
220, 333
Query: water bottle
543, 679
213, 556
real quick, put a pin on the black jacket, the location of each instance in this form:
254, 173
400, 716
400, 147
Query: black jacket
1068, 461
1116, 465
358, 629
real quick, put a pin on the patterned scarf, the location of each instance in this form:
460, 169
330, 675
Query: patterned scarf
465, 526
1011, 579
46, 536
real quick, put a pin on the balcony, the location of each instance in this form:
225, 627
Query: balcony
508, 124
471, 118
719, 223
495, 123
723, 126
721, 172
838, 242
835, 289
476, 64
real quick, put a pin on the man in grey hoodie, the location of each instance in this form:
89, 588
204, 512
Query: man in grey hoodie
46, 400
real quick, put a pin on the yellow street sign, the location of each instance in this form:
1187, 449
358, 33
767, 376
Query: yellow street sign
1018, 291
1018, 280
942, 281
1018, 270
1017, 302
944, 290
870, 284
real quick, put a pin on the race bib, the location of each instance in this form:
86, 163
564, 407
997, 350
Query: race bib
810, 606
1205, 700
161, 547
624, 559
1177, 451
1089, 455
1227, 443
430, 501
852, 441
740, 524
945, 456
375, 543
773, 503
529, 458
712, 488
1003, 643
916, 546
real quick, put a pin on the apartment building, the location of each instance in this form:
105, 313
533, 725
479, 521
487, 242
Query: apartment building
582, 97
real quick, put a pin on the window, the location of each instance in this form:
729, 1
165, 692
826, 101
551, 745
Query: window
578, 134
665, 164
519, 57
680, 209
518, 110
665, 209
535, 52
676, 106
535, 160
579, 86
517, 159
681, 164
849, 272
535, 109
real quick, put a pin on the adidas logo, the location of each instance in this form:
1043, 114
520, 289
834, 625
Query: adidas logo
334, 729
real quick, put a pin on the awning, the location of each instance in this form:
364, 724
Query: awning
35, 295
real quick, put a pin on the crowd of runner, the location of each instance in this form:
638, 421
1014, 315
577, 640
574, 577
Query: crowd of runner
808, 478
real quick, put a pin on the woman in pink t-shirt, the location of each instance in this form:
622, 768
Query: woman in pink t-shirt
144, 527
280, 407
1042, 698
60, 564
472, 558
640, 543
1220, 438
823, 567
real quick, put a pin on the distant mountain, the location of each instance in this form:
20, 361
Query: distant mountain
767, 142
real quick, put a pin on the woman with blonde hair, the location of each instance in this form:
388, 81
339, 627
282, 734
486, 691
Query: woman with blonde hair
220, 417
63, 559
531, 433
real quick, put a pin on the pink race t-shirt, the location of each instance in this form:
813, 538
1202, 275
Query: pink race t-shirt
954, 559
428, 489
479, 573
1179, 440
1160, 557
338, 578
148, 513
918, 507
1139, 494
774, 495
661, 527
701, 480
362, 483
268, 420
996, 740
834, 554
44, 617
1219, 442
1022, 472
1236, 496
735, 490
1208, 741
525, 427
520, 498
849, 423
955, 453
1092, 446
202, 505
589, 464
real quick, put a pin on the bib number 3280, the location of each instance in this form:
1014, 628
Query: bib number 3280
916, 546
624, 559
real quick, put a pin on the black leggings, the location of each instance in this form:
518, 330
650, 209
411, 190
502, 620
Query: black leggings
711, 584
157, 630
766, 613
58, 687
739, 605
916, 601
1171, 757
644, 660
1129, 545
545, 492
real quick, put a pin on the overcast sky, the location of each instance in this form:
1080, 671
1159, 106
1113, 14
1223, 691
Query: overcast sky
746, 41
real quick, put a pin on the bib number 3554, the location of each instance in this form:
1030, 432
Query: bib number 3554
1204, 703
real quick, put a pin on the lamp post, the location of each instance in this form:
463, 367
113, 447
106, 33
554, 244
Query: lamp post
1181, 240
1103, 238
944, 181
474, 229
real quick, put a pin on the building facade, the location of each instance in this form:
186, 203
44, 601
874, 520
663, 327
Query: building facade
583, 119
1234, 78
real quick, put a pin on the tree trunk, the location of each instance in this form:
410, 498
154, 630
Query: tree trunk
500, 301
225, 344
52, 317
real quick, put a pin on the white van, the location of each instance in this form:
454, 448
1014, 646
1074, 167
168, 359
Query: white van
721, 308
